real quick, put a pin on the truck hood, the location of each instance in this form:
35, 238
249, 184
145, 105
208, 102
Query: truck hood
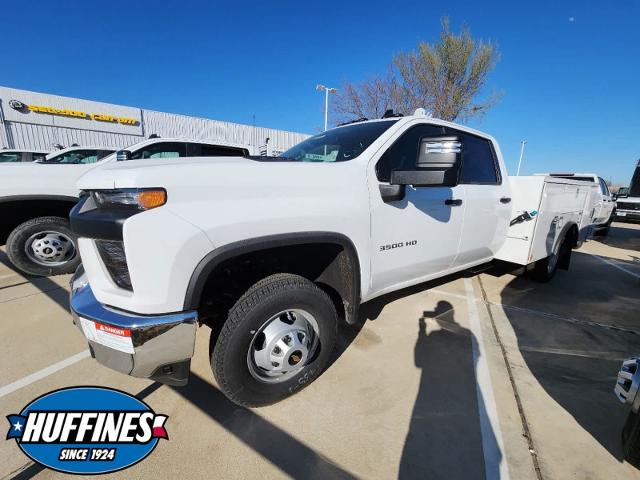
25, 179
209, 172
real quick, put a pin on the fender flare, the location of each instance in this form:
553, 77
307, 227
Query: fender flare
343, 274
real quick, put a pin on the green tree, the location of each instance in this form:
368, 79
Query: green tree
446, 78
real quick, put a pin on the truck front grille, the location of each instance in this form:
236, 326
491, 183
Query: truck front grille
627, 206
114, 258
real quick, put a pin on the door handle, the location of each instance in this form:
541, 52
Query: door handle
505, 200
453, 202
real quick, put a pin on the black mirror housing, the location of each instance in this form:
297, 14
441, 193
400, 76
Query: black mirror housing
122, 155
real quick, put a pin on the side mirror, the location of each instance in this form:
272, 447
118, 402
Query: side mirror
122, 155
614, 196
437, 165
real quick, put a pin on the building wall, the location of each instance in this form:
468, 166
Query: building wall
28, 128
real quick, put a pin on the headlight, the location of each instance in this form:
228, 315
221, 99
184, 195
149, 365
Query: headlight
133, 198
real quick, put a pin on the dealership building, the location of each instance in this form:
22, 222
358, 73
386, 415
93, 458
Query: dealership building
31, 120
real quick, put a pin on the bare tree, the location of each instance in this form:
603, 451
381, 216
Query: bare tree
369, 99
446, 78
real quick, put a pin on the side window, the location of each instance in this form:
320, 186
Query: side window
603, 187
161, 150
204, 150
478, 161
38, 157
194, 150
104, 153
402, 155
220, 151
10, 157
81, 156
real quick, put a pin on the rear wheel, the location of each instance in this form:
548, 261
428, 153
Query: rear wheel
545, 268
277, 339
44, 246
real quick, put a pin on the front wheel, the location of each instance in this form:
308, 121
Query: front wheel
277, 339
44, 246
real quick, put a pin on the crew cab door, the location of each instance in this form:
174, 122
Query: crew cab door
487, 211
415, 237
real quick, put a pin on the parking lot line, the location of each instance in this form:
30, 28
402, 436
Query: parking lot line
615, 265
40, 374
495, 463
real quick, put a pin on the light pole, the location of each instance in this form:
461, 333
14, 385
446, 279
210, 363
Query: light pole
523, 143
327, 91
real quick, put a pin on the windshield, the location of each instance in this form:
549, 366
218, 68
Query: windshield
10, 157
338, 145
78, 156
623, 192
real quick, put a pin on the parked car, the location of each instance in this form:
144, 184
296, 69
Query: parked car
21, 155
605, 207
270, 252
626, 390
35, 198
629, 207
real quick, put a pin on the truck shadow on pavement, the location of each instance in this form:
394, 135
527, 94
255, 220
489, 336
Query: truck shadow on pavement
575, 352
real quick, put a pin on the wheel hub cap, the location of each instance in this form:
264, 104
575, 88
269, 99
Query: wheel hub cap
50, 248
283, 345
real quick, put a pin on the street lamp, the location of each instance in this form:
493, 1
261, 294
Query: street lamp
327, 91
522, 144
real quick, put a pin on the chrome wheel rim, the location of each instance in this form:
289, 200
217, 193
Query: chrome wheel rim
50, 248
283, 346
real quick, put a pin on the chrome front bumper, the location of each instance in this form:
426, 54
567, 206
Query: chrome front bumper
159, 347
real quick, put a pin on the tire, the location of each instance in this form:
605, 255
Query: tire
631, 439
545, 268
55, 246
245, 333
603, 230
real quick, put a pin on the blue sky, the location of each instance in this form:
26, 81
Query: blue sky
569, 71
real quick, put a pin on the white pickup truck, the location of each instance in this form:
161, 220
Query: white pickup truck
36, 197
272, 252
